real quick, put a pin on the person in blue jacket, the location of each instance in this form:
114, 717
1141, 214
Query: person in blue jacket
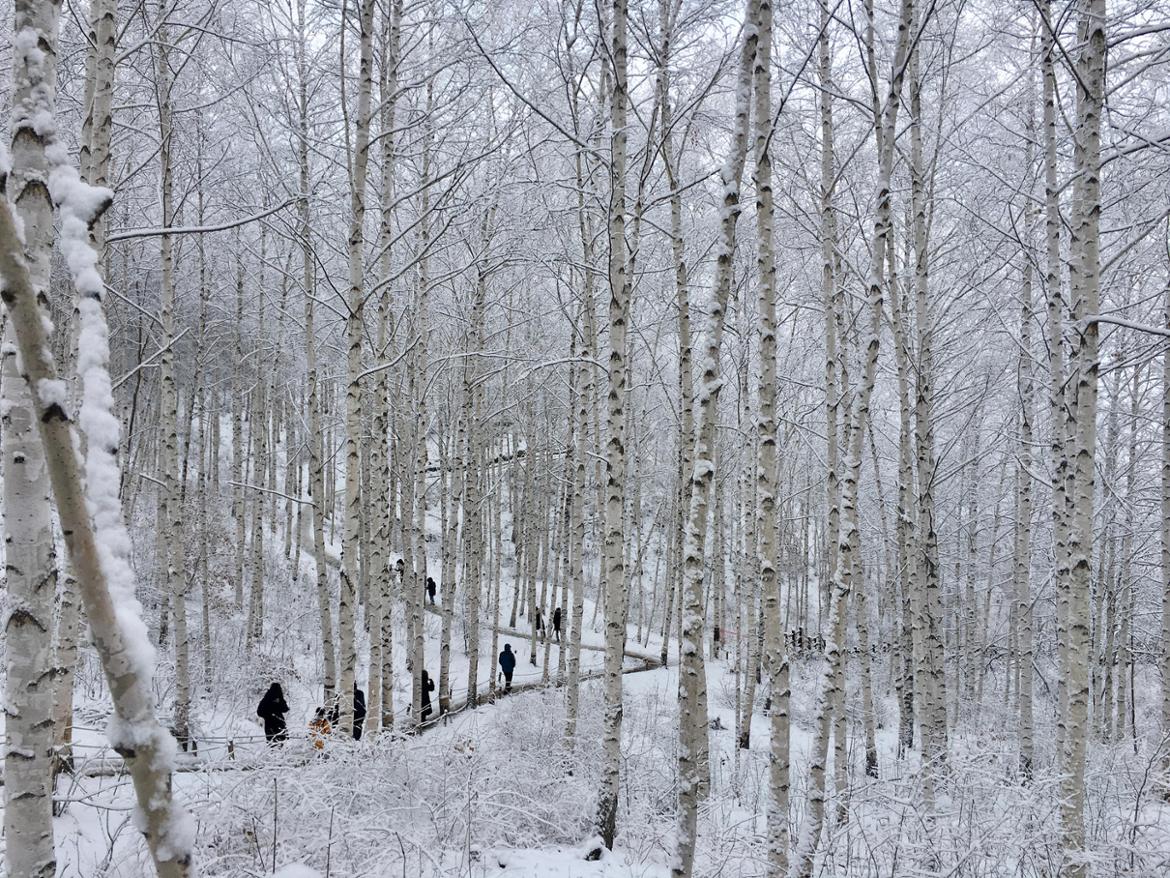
507, 665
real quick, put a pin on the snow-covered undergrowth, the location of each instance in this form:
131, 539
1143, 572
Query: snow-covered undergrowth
494, 792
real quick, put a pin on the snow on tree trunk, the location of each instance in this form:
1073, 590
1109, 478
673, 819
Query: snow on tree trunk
1085, 280
613, 572
767, 472
842, 580
692, 671
91, 518
351, 533
30, 557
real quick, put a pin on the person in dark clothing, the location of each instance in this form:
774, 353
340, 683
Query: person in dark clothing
359, 712
428, 686
507, 665
557, 624
272, 709
431, 588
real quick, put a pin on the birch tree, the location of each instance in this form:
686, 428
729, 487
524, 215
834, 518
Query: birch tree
1084, 281
842, 580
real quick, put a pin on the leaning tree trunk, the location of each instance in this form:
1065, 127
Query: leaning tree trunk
91, 517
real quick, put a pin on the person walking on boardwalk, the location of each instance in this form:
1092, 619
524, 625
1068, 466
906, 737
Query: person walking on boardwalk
507, 665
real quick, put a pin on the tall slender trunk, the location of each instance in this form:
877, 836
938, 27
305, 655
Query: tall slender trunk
934, 722
1022, 557
316, 478
353, 332
767, 475
842, 581
692, 714
613, 564
1085, 280
30, 557
171, 519
1165, 534
1055, 338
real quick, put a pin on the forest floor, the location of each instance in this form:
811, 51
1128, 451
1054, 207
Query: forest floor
493, 792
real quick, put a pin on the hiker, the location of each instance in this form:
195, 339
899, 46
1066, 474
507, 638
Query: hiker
359, 712
272, 709
319, 729
428, 686
557, 624
431, 588
400, 567
507, 665
539, 620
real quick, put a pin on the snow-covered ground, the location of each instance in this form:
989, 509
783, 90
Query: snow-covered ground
495, 792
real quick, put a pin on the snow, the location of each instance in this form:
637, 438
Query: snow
296, 870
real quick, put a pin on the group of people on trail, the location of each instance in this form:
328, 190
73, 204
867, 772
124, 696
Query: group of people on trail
273, 707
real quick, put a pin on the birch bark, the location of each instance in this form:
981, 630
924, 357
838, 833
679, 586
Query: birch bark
353, 330
810, 833
692, 671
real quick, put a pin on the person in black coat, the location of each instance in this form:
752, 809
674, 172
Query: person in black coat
557, 624
428, 686
359, 712
431, 588
272, 709
507, 665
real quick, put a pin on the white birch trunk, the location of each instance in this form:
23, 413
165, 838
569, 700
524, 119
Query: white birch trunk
692, 671
811, 831
353, 330
30, 557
